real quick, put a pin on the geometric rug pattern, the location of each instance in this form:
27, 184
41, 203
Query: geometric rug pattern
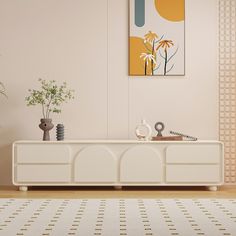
116, 217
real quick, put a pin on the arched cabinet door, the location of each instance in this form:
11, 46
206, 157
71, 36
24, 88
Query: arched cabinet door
141, 164
95, 164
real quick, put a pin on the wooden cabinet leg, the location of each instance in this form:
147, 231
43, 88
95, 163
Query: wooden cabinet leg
23, 188
118, 187
212, 188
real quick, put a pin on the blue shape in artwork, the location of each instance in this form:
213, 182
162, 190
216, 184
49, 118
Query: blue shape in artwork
139, 13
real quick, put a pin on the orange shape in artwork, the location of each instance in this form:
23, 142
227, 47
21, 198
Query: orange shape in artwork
172, 10
137, 63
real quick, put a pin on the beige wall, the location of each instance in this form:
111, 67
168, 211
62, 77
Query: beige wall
85, 42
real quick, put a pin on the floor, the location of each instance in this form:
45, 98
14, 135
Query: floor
127, 192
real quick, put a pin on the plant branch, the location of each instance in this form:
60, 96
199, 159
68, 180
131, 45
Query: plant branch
161, 55
2, 90
147, 47
159, 39
50, 95
3, 93
43, 111
170, 68
173, 54
157, 67
48, 107
166, 61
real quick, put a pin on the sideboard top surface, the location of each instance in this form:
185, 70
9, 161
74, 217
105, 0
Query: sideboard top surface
114, 141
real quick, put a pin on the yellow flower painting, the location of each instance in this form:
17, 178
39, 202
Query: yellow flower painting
156, 38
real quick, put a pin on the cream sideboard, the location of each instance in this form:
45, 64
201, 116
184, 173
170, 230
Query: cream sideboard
117, 163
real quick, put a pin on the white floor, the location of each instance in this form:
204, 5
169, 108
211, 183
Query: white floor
113, 217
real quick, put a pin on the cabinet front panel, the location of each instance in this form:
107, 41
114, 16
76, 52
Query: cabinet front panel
37, 153
194, 153
43, 173
193, 173
141, 164
97, 164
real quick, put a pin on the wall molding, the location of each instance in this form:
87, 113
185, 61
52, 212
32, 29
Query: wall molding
227, 83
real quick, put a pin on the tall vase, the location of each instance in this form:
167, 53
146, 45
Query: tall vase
46, 125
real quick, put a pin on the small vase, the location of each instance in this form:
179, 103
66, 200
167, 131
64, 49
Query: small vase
46, 125
60, 132
143, 131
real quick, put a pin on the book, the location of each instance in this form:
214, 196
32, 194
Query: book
168, 138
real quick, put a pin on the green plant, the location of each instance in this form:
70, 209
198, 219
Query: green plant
2, 89
50, 97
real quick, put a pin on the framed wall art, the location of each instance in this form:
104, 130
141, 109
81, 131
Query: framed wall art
157, 37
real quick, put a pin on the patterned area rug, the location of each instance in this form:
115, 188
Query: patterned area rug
113, 217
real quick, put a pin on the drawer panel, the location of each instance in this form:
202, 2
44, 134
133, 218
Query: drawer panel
37, 153
193, 174
196, 153
43, 173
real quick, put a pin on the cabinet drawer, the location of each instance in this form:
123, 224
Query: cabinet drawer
43, 173
196, 153
193, 173
37, 153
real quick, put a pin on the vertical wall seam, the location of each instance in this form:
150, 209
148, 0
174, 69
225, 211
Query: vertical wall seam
128, 84
107, 69
128, 108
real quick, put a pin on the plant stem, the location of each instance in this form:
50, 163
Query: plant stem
153, 47
48, 107
166, 60
43, 111
146, 67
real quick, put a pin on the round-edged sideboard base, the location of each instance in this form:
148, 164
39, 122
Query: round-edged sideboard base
212, 188
23, 188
